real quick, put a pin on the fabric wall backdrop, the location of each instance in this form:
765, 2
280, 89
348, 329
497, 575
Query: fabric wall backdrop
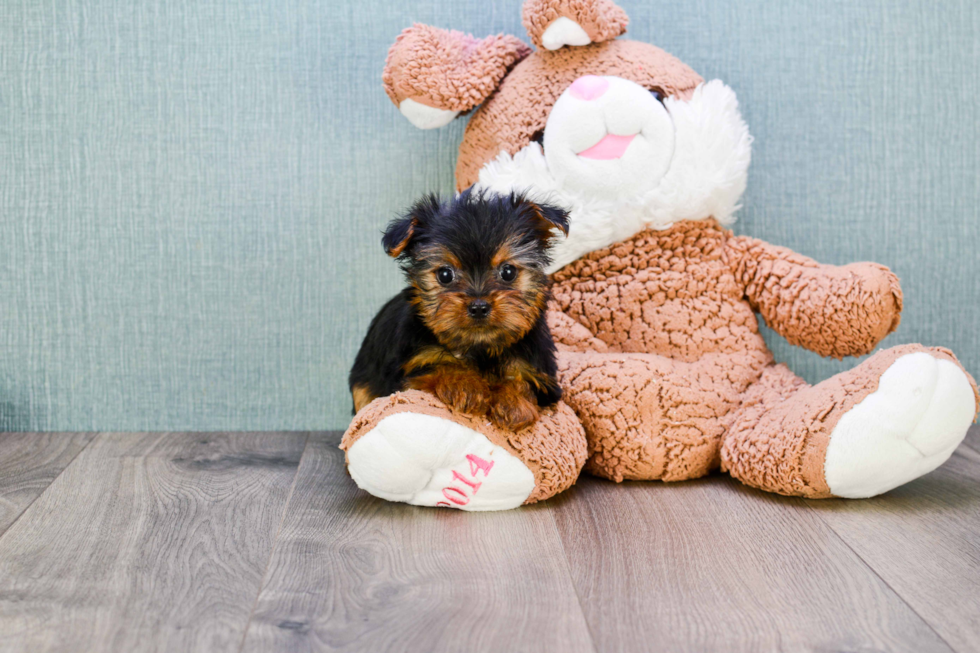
191, 194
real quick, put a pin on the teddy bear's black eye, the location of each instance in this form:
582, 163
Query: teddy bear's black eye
445, 275
508, 272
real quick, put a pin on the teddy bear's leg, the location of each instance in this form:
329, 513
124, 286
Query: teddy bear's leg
411, 448
650, 417
896, 416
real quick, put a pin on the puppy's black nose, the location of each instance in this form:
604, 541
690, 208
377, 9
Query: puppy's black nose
478, 308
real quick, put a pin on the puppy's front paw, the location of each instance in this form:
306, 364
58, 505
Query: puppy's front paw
464, 393
513, 411
460, 389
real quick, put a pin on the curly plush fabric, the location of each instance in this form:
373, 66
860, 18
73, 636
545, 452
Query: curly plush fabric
447, 69
833, 311
778, 439
568, 334
681, 346
519, 109
668, 292
602, 20
554, 448
683, 383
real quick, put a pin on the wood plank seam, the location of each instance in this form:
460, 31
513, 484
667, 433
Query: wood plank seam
6, 530
571, 580
275, 543
879, 576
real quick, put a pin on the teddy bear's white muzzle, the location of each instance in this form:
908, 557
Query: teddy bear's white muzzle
608, 136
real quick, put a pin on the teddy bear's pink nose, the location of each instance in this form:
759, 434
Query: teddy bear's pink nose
589, 87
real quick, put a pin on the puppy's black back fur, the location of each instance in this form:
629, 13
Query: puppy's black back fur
394, 336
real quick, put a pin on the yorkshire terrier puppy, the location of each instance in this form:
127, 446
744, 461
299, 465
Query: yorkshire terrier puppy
470, 326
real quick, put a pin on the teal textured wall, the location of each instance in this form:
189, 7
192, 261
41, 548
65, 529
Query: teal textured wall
191, 194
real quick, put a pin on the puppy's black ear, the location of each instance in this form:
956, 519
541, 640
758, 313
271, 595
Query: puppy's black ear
401, 232
398, 235
555, 216
545, 218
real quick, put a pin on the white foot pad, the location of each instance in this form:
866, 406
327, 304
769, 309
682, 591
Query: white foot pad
908, 427
429, 461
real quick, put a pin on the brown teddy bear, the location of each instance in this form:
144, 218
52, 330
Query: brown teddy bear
664, 372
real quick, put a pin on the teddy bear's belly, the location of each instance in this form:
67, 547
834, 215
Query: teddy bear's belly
669, 293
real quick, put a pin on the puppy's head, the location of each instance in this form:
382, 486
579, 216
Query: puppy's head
477, 264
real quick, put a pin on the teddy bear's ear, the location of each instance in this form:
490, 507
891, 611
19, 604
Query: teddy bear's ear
553, 24
432, 75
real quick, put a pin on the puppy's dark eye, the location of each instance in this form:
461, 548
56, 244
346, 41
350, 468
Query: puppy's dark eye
445, 275
508, 272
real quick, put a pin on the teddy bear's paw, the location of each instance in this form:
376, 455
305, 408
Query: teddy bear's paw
908, 427
430, 461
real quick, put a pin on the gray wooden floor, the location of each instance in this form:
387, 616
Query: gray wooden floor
260, 542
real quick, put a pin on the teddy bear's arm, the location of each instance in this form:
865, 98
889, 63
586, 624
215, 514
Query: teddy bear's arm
832, 310
570, 335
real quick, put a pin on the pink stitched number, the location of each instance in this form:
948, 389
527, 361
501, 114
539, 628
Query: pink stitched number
459, 477
462, 494
477, 463
459, 497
